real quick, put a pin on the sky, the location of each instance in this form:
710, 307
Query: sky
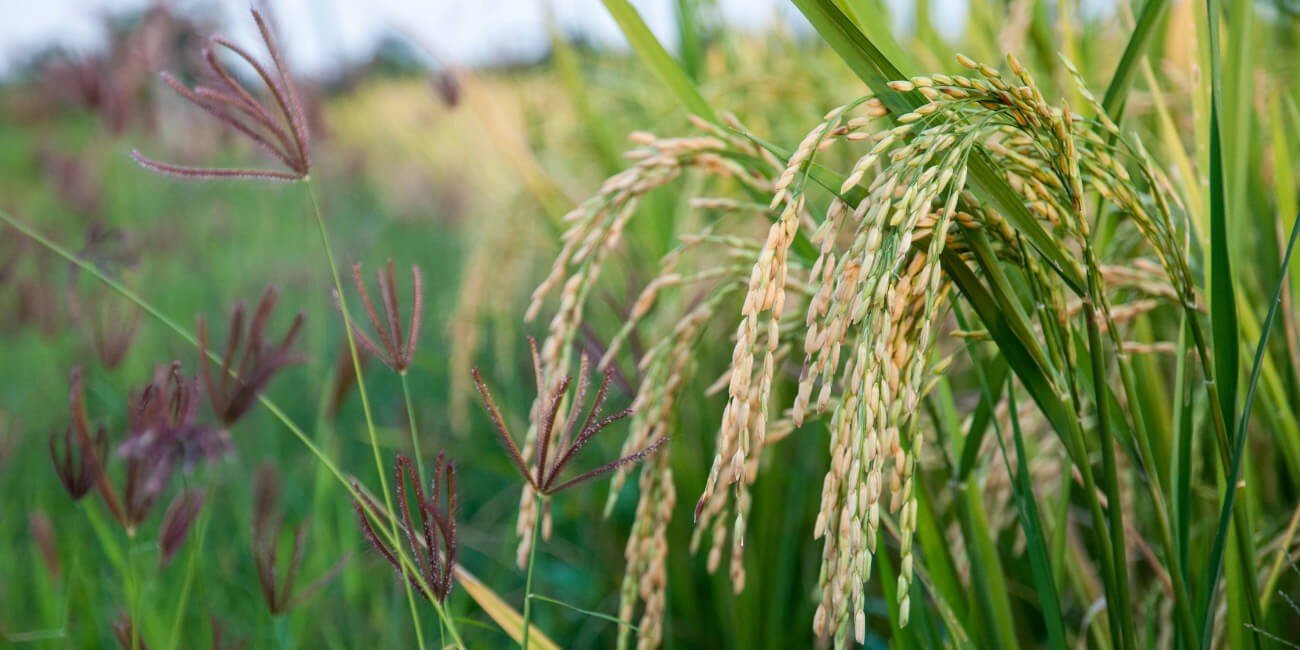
318, 32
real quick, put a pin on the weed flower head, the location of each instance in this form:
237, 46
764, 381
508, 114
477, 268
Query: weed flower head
433, 542
177, 522
163, 428
77, 453
280, 130
248, 361
557, 442
395, 348
279, 593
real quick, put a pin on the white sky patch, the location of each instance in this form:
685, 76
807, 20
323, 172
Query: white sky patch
319, 35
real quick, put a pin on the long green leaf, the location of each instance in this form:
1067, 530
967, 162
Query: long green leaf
655, 57
1239, 442
1223, 312
1036, 545
981, 418
1224, 331
1122, 80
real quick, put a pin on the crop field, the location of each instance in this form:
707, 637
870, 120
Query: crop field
849, 331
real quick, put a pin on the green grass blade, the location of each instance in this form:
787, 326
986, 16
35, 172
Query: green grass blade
1018, 357
1026, 505
874, 21
930, 532
585, 612
655, 57
1223, 312
1224, 335
987, 574
1122, 79
1234, 468
690, 35
1035, 544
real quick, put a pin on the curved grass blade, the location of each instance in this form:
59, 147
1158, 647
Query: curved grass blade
655, 57
502, 614
586, 612
1122, 80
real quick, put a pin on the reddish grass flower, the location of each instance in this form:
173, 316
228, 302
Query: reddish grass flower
556, 449
112, 330
433, 544
446, 86
163, 433
77, 454
73, 180
93, 453
248, 363
344, 376
397, 349
281, 131
108, 321
268, 524
176, 523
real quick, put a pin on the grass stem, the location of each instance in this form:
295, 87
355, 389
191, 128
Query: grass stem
410, 419
532, 560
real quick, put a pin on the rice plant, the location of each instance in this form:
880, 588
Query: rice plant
905, 346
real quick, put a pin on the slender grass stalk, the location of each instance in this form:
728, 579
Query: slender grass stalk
106, 540
365, 397
280, 627
410, 419
119, 556
419, 463
1233, 468
532, 560
132, 580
